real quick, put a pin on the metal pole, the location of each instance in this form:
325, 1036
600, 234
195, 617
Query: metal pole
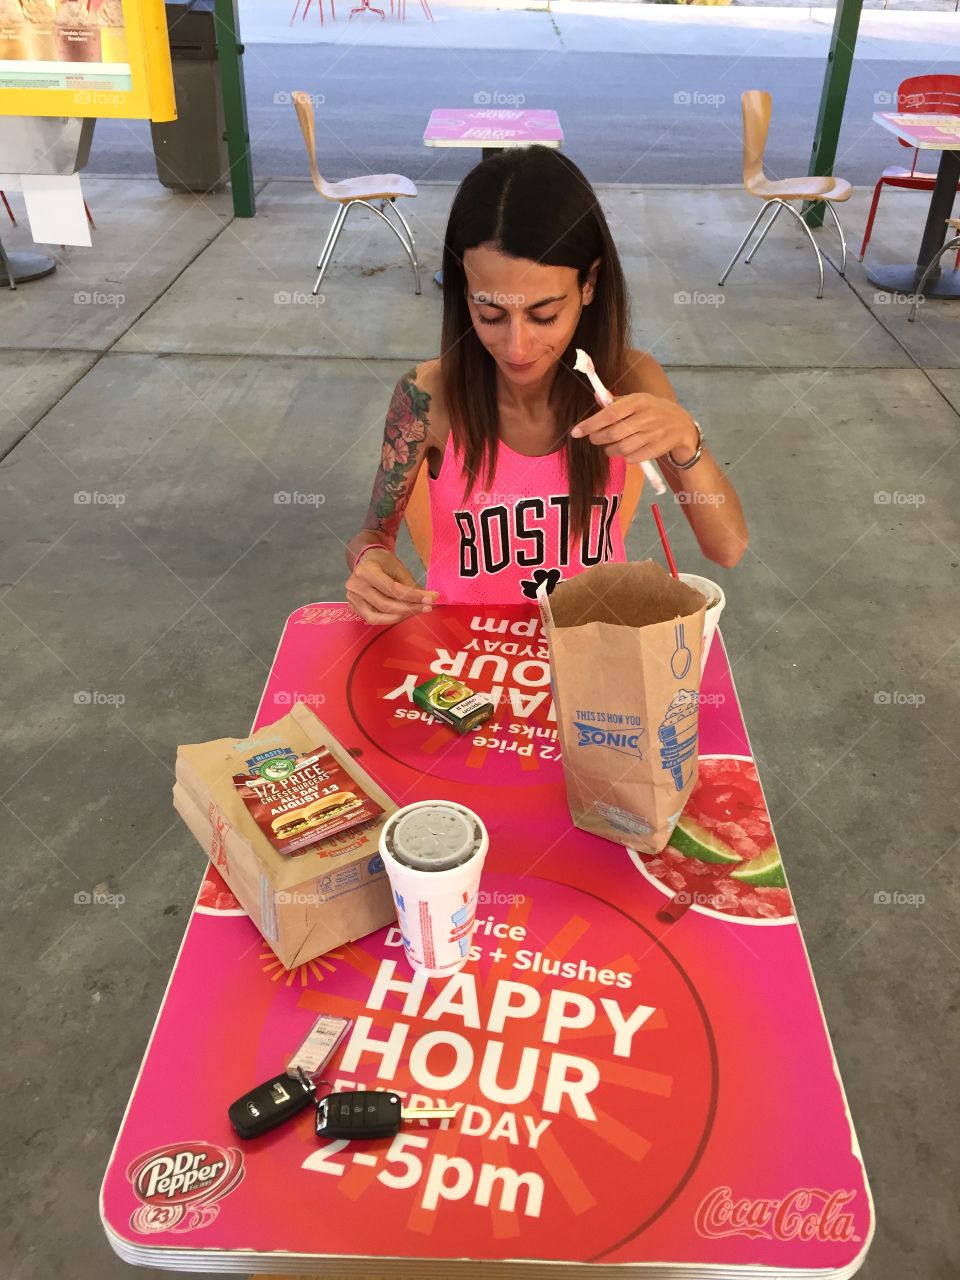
833, 98
236, 134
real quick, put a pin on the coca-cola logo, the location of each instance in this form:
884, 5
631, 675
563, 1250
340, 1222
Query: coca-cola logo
318, 615
804, 1214
191, 1174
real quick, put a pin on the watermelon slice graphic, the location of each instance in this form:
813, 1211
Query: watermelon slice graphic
726, 820
216, 898
723, 855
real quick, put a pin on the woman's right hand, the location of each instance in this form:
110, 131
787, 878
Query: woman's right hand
382, 589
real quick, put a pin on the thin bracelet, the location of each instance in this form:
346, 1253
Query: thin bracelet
371, 546
685, 466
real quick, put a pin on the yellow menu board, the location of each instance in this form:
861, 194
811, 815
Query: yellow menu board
85, 58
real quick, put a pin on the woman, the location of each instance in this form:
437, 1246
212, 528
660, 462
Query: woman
526, 476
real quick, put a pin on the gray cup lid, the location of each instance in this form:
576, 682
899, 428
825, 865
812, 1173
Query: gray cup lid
433, 838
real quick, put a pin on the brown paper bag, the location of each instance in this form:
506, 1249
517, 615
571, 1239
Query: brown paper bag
314, 899
625, 660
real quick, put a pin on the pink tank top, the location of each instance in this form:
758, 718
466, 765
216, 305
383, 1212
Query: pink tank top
504, 540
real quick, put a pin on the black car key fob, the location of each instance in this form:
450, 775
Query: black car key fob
375, 1114
270, 1104
358, 1115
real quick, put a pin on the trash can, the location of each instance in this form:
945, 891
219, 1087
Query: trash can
190, 152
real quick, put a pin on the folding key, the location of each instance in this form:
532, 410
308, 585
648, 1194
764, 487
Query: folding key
369, 1115
270, 1104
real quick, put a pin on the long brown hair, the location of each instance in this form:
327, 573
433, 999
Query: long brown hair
532, 203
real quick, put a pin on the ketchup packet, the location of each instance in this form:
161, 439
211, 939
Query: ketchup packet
298, 800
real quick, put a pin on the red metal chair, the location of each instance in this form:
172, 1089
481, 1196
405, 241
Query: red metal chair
917, 94
402, 9
306, 9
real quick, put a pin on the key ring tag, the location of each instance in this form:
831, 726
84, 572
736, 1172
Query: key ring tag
320, 1045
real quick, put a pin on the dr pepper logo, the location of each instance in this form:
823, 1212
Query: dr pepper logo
179, 1185
804, 1214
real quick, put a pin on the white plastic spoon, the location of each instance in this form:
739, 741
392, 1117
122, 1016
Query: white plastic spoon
583, 364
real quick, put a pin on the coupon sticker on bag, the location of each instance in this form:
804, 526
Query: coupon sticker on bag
299, 800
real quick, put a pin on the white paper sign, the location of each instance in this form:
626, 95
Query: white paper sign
54, 207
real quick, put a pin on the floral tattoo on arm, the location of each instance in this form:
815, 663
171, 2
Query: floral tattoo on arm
403, 438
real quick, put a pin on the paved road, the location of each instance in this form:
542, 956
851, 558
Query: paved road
618, 112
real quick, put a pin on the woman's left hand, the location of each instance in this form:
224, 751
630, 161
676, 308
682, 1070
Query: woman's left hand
641, 427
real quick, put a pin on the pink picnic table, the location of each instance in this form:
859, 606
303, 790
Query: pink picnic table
492, 129
646, 1084
928, 132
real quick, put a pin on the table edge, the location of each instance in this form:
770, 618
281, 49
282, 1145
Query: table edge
242, 1262
500, 143
878, 118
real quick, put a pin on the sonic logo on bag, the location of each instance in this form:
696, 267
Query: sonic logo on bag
183, 1181
590, 736
804, 1214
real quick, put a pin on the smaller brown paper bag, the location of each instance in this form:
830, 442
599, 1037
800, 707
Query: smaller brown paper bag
625, 660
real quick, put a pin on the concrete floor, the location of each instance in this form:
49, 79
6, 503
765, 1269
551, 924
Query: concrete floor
215, 383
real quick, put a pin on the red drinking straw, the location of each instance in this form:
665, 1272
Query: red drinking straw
663, 538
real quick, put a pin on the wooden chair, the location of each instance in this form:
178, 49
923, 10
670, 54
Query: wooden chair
384, 187
420, 526
778, 195
939, 94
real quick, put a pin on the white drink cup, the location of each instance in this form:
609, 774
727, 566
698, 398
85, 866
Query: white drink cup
433, 852
712, 616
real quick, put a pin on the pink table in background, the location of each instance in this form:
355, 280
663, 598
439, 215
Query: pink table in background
647, 1085
928, 133
492, 129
